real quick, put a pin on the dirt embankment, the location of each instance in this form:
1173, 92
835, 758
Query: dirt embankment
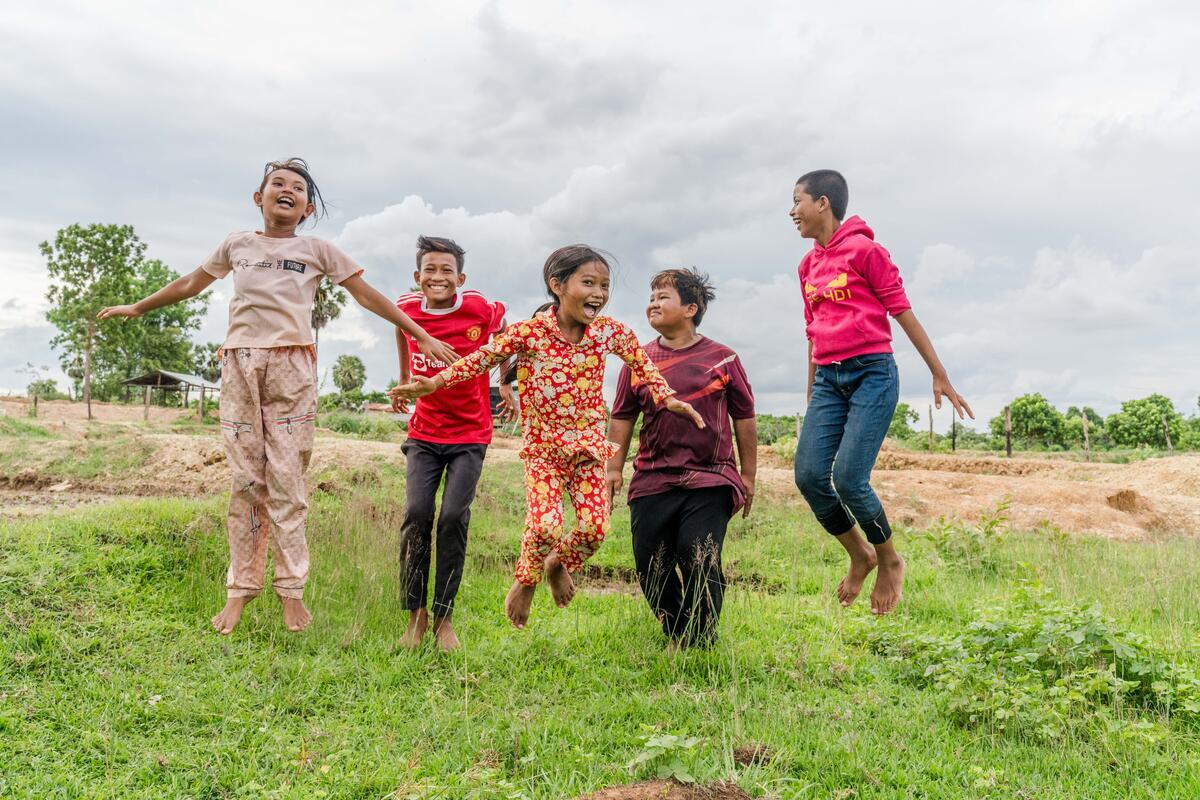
1145, 499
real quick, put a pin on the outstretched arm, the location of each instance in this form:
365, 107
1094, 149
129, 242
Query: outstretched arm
177, 290
399, 404
372, 300
746, 433
503, 345
941, 381
628, 349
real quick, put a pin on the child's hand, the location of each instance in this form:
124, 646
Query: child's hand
437, 349
399, 404
419, 387
511, 411
748, 482
676, 406
942, 387
614, 479
119, 311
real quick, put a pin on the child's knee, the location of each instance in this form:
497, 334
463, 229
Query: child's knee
852, 486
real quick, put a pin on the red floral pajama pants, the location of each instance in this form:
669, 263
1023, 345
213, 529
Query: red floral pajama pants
547, 477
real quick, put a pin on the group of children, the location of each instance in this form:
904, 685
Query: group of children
695, 466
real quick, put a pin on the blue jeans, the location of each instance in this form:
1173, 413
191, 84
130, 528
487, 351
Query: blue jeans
851, 409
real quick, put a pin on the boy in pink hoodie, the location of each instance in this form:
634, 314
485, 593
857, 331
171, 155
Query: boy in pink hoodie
850, 287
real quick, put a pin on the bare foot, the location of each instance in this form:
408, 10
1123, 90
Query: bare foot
517, 603
860, 567
562, 588
418, 623
889, 583
295, 616
229, 616
447, 640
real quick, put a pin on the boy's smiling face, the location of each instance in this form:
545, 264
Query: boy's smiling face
806, 212
666, 312
439, 279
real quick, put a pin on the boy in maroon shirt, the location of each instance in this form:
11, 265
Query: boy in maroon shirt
448, 434
686, 485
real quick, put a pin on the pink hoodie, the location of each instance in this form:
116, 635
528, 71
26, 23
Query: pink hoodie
850, 286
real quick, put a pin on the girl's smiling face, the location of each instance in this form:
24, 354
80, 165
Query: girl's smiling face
585, 292
283, 199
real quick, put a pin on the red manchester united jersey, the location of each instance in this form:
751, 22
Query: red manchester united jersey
459, 414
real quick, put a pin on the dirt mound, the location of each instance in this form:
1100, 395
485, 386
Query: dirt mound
669, 790
753, 753
1128, 501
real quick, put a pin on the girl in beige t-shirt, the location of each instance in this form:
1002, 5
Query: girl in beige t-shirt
268, 379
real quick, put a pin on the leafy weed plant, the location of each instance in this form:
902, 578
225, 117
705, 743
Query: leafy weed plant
1045, 669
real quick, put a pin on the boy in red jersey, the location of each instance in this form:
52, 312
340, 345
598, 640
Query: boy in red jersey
448, 434
686, 484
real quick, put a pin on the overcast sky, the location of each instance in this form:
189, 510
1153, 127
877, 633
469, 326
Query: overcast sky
1031, 166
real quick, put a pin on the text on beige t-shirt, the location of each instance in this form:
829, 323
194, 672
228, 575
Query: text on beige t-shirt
274, 281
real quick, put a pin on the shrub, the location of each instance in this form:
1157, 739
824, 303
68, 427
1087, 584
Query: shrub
364, 426
1045, 669
970, 546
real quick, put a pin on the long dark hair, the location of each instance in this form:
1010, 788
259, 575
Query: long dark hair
565, 261
300, 167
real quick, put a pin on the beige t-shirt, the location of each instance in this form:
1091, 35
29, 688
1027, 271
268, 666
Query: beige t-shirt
274, 281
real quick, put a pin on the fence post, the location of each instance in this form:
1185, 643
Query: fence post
202, 404
35, 401
146, 402
798, 426
953, 432
1167, 433
1008, 431
1087, 443
931, 428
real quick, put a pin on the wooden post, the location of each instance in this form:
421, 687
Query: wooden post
953, 431
798, 426
1008, 430
931, 428
1167, 433
185, 396
202, 404
146, 402
35, 404
87, 369
1087, 442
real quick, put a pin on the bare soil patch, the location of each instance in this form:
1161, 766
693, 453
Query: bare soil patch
669, 790
1158, 496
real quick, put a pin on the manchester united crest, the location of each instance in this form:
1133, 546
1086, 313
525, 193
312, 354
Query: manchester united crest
474, 332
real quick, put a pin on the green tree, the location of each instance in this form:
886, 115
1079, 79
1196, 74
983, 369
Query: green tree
1034, 421
349, 374
205, 362
89, 267
160, 339
327, 306
1139, 423
903, 415
94, 266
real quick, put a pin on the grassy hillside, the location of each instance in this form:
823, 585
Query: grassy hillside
113, 685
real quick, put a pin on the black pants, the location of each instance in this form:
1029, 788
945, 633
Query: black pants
677, 540
426, 461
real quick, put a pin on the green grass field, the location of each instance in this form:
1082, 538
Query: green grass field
112, 684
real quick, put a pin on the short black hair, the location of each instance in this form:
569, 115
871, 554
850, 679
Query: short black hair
830, 184
693, 288
437, 244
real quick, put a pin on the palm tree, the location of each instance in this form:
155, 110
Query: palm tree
327, 306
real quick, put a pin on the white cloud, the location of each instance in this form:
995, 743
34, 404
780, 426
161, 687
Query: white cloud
1033, 202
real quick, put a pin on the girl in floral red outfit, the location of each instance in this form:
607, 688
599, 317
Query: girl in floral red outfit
560, 373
